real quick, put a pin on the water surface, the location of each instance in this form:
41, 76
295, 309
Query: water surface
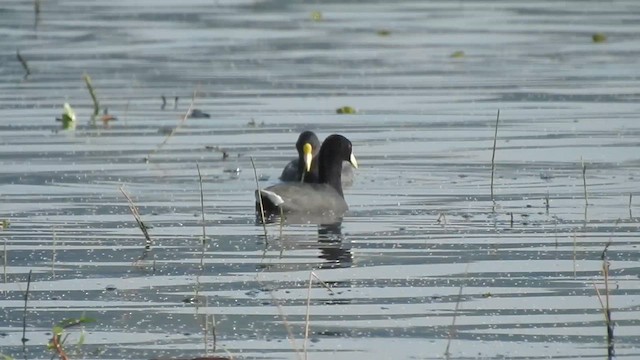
424, 259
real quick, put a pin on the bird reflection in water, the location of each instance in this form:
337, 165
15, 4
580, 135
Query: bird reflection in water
335, 249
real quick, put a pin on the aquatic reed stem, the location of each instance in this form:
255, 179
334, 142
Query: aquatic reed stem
204, 228
287, 326
255, 174
584, 183
5, 261
24, 64
607, 309
24, 313
312, 276
141, 225
92, 92
203, 245
36, 10
173, 131
126, 112
447, 353
493, 155
213, 333
575, 275
547, 203
53, 255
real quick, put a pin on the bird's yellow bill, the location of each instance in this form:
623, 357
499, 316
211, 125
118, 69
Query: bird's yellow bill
307, 152
353, 161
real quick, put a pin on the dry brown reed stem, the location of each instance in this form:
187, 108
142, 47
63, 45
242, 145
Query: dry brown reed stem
182, 121
584, 182
141, 225
606, 310
447, 354
24, 314
255, 174
287, 326
57, 345
204, 244
493, 155
312, 275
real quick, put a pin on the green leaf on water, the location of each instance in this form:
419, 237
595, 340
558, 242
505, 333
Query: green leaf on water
346, 110
384, 32
5, 224
599, 37
457, 54
316, 15
66, 323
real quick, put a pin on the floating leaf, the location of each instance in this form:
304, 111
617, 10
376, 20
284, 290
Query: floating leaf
599, 37
5, 224
346, 110
457, 54
384, 32
316, 15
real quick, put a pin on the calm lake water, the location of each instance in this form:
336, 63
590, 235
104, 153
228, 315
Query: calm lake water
424, 260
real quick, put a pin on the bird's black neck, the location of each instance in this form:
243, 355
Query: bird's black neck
331, 173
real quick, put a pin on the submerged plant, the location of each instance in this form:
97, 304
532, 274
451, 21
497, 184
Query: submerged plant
599, 37
57, 341
68, 118
316, 15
